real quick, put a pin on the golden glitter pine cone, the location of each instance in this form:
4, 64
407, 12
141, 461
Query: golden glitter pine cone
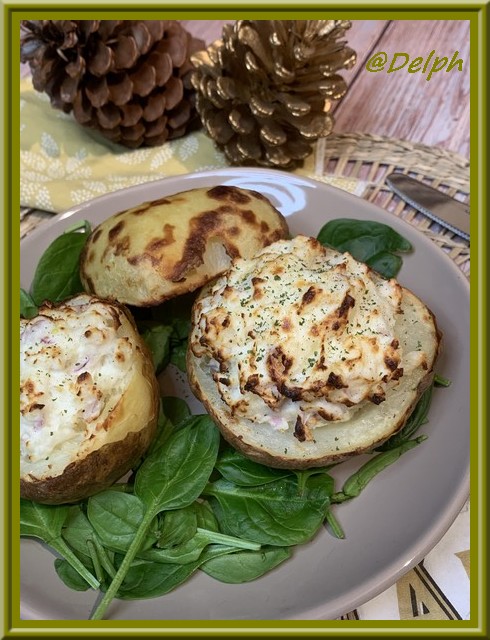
264, 90
129, 79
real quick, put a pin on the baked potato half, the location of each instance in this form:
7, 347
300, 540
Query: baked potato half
88, 399
168, 247
305, 357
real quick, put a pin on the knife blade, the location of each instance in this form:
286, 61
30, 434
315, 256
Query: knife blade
433, 203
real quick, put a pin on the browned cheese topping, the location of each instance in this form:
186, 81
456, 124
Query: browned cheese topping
299, 336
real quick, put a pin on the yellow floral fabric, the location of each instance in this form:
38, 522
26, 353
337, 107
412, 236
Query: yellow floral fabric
63, 164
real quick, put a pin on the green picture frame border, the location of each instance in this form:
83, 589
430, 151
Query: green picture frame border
10, 16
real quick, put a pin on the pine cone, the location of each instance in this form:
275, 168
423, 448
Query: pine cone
129, 79
264, 89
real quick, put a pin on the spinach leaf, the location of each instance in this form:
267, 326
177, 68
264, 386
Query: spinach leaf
371, 242
181, 326
385, 263
303, 475
57, 274
69, 576
358, 481
28, 309
115, 517
205, 516
165, 429
76, 531
276, 513
174, 414
146, 579
175, 475
234, 467
178, 353
441, 381
46, 522
176, 312
83, 226
175, 409
191, 550
179, 526
244, 566
170, 478
333, 524
157, 338
82, 538
41, 521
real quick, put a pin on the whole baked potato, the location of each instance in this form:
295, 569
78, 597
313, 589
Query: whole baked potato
164, 248
88, 399
304, 356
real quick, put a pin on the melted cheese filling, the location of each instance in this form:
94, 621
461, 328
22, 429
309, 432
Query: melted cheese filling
74, 368
296, 337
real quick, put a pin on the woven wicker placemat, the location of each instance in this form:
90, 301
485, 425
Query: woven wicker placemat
369, 159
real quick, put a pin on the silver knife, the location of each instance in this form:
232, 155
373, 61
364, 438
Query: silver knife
433, 203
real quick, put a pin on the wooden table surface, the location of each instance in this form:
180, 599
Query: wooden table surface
400, 105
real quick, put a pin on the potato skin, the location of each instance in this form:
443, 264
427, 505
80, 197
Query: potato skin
161, 249
103, 463
96, 472
279, 461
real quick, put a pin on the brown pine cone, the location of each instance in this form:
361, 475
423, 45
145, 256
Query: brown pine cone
264, 90
129, 79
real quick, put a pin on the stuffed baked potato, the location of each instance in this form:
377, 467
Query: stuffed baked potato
168, 247
88, 400
304, 356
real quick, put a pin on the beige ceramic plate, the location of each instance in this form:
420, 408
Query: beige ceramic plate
395, 521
